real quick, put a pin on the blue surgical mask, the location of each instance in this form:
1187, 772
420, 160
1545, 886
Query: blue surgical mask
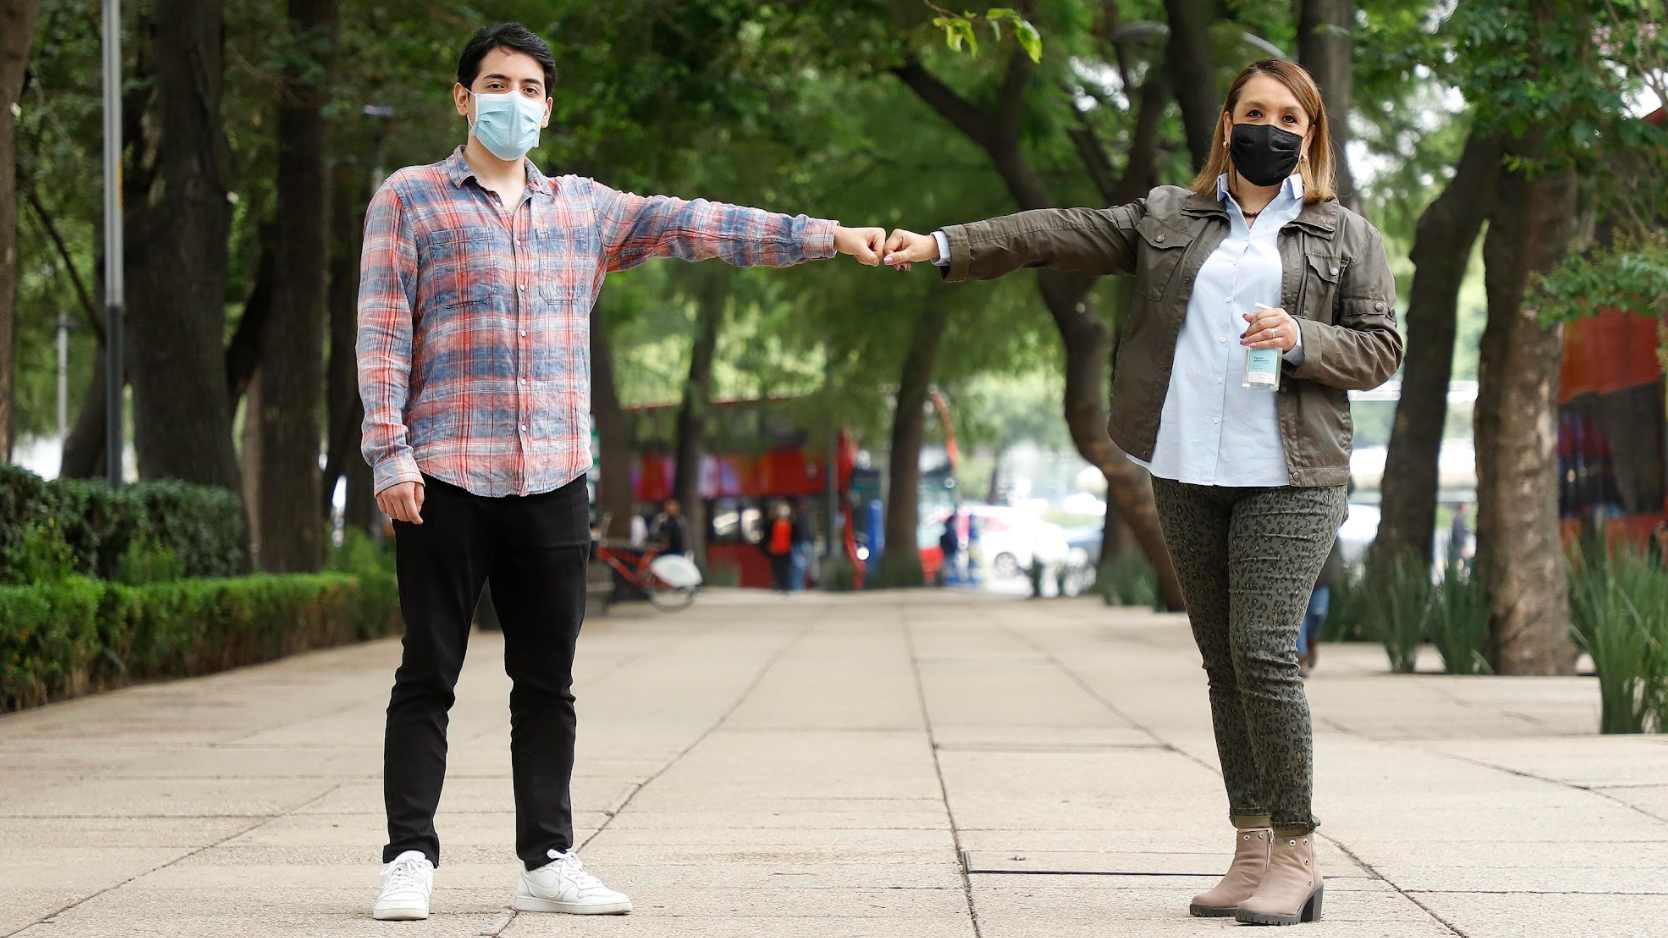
508, 124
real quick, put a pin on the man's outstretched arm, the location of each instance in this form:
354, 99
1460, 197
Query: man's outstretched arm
638, 228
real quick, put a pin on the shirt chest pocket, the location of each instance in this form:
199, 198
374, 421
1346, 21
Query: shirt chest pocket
562, 251
1158, 256
460, 266
1317, 296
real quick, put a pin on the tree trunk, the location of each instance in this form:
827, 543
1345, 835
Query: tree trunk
900, 565
1442, 245
1325, 44
1192, 67
17, 32
243, 352
346, 412
1083, 334
84, 447
177, 296
292, 372
1517, 426
712, 290
614, 488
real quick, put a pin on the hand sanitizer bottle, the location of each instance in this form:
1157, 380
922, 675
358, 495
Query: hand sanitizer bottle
1262, 366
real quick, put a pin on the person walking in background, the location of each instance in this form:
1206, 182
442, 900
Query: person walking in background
803, 548
477, 277
669, 531
1320, 602
779, 546
1249, 483
1459, 538
949, 545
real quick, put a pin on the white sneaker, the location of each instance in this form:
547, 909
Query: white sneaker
563, 885
406, 885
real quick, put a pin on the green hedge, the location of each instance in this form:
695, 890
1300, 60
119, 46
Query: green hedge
77, 635
201, 526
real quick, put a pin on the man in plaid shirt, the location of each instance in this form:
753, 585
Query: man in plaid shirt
476, 286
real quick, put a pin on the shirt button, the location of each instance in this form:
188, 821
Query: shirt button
523, 380
523, 428
524, 333
1158, 237
522, 288
1378, 307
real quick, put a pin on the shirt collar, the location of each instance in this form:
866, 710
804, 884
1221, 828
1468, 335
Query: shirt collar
459, 171
1291, 189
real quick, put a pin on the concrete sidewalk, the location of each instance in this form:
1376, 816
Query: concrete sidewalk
911, 765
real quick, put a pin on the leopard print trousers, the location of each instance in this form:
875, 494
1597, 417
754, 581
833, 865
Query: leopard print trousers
1247, 559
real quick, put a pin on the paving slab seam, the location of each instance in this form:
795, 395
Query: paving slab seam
1598, 790
264, 820
938, 770
1404, 893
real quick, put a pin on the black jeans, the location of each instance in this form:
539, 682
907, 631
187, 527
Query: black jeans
534, 550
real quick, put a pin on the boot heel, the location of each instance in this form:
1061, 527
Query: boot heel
1312, 910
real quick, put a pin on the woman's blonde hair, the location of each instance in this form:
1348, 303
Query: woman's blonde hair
1317, 169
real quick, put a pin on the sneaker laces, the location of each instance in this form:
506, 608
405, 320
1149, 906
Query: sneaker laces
570, 867
404, 874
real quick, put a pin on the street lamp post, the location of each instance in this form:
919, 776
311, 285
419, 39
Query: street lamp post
113, 292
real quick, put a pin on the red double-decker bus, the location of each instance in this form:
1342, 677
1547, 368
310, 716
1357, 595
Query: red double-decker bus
757, 453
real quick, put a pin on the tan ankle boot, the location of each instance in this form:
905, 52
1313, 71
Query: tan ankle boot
1251, 848
1292, 890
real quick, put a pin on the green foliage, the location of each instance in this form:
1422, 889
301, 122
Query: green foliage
964, 28
1399, 611
147, 561
1459, 613
201, 526
1619, 609
69, 637
1128, 580
39, 554
1631, 275
360, 554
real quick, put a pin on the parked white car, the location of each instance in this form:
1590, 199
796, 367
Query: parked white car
1010, 540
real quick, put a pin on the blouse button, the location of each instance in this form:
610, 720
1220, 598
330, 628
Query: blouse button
1378, 307
1334, 271
1158, 237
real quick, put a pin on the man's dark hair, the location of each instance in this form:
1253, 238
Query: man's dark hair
512, 36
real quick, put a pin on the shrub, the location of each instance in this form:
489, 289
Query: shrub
201, 525
1346, 618
1459, 613
1399, 609
65, 638
1128, 580
1619, 609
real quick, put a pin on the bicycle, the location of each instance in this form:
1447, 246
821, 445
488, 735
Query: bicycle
669, 580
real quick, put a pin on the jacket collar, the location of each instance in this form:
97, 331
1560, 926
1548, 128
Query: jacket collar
1321, 218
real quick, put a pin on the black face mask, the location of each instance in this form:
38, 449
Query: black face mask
1263, 153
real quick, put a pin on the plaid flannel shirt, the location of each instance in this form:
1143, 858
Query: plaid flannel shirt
474, 325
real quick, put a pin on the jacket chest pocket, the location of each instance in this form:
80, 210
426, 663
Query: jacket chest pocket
1317, 295
1159, 258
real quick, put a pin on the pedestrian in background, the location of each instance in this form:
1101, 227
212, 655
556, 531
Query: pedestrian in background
778, 544
669, 530
949, 545
803, 548
1320, 601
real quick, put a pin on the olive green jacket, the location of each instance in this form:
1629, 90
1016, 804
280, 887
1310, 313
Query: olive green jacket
1337, 285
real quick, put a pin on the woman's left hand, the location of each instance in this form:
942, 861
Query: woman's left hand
1269, 327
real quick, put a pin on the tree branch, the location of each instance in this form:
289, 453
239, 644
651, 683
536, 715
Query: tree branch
80, 285
960, 112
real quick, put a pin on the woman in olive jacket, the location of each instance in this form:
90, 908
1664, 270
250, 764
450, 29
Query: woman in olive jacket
1248, 456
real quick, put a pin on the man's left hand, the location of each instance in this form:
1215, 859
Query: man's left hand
862, 243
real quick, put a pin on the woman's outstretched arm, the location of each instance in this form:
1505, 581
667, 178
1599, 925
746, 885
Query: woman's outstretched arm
1098, 241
